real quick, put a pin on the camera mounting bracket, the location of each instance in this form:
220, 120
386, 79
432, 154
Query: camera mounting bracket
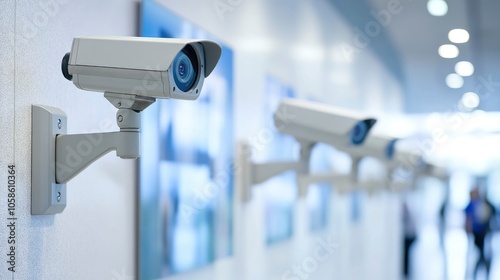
58, 157
255, 173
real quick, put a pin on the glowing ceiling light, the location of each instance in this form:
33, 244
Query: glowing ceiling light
464, 68
437, 8
448, 51
458, 36
470, 100
454, 81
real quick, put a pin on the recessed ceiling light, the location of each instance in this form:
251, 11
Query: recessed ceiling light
470, 100
448, 51
437, 8
458, 36
454, 81
464, 68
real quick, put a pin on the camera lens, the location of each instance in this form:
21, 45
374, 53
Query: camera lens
185, 69
390, 149
360, 131
182, 69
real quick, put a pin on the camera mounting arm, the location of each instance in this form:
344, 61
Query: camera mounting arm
58, 157
76, 152
341, 181
256, 173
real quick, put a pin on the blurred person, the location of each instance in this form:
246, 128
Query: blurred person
410, 235
442, 230
479, 214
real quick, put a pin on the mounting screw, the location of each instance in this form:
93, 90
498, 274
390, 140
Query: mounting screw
59, 123
58, 196
120, 118
119, 104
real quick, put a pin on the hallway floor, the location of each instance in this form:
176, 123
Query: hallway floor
429, 262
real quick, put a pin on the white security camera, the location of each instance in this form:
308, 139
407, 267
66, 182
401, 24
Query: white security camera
382, 148
406, 166
309, 123
148, 67
315, 122
408, 159
435, 171
132, 72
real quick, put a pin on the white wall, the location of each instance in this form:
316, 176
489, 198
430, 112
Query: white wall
94, 238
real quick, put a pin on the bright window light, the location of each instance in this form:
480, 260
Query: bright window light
437, 8
448, 51
470, 100
458, 36
464, 68
454, 81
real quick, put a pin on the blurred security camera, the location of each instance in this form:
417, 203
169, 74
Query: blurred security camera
382, 148
147, 67
435, 171
315, 122
408, 159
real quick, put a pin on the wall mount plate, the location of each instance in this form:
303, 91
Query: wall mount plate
245, 165
47, 197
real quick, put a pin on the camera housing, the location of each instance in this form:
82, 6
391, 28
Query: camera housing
380, 147
309, 123
147, 67
132, 72
315, 122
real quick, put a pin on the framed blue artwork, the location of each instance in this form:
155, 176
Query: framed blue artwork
185, 172
318, 196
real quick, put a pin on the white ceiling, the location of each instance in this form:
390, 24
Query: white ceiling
416, 36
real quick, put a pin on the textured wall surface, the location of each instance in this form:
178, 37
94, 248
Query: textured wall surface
6, 85
94, 237
6, 116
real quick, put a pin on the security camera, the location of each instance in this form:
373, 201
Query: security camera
315, 122
309, 123
408, 159
132, 72
405, 168
382, 148
435, 171
147, 67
